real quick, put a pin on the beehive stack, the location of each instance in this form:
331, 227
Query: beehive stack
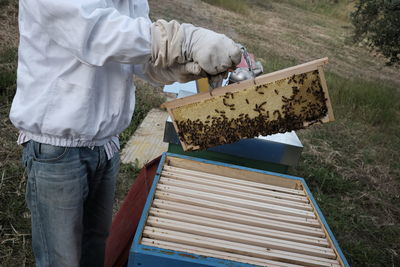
236, 214
278, 102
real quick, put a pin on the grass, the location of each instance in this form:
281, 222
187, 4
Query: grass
356, 190
352, 168
334, 8
238, 6
8, 58
373, 102
4, 3
15, 240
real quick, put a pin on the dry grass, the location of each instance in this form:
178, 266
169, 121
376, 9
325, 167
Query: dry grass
15, 239
8, 25
285, 30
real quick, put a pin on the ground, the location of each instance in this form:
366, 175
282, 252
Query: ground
352, 165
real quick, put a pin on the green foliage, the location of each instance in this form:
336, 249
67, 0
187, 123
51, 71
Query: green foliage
378, 22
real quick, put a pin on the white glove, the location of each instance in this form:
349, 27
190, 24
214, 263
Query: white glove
176, 73
183, 43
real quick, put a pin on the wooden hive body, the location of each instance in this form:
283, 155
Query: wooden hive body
277, 102
203, 213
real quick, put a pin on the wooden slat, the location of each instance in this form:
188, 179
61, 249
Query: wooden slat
243, 238
328, 237
215, 254
325, 89
232, 193
239, 227
236, 181
229, 246
241, 188
238, 174
208, 209
272, 220
235, 201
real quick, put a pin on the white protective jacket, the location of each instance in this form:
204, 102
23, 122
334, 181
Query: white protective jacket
75, 64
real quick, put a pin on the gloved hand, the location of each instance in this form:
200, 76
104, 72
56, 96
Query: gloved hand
174, 43
176, 73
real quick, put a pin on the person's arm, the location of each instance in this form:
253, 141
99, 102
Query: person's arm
92, 31
183, 52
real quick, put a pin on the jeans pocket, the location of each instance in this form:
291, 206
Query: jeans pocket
48, 153
59, 184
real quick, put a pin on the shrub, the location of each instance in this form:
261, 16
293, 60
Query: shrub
378, 22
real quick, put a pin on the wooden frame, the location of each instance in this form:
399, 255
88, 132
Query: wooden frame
196, 231
201, 98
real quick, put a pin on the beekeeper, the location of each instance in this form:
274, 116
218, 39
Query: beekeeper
75, 95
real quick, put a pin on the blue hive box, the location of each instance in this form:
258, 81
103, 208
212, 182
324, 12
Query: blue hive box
206, 213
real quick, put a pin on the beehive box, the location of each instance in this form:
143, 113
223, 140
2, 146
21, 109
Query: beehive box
282, 101
205, 213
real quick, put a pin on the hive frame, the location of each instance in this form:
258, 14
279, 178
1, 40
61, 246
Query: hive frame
263, 79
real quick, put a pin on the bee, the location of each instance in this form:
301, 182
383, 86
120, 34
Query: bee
276, 92
277, 112
247, 101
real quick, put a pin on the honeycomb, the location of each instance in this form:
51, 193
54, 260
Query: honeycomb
280, 106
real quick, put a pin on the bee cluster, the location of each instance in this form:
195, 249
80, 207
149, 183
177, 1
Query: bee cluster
302, 100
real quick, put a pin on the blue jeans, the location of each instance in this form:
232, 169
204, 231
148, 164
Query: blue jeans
70, 193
